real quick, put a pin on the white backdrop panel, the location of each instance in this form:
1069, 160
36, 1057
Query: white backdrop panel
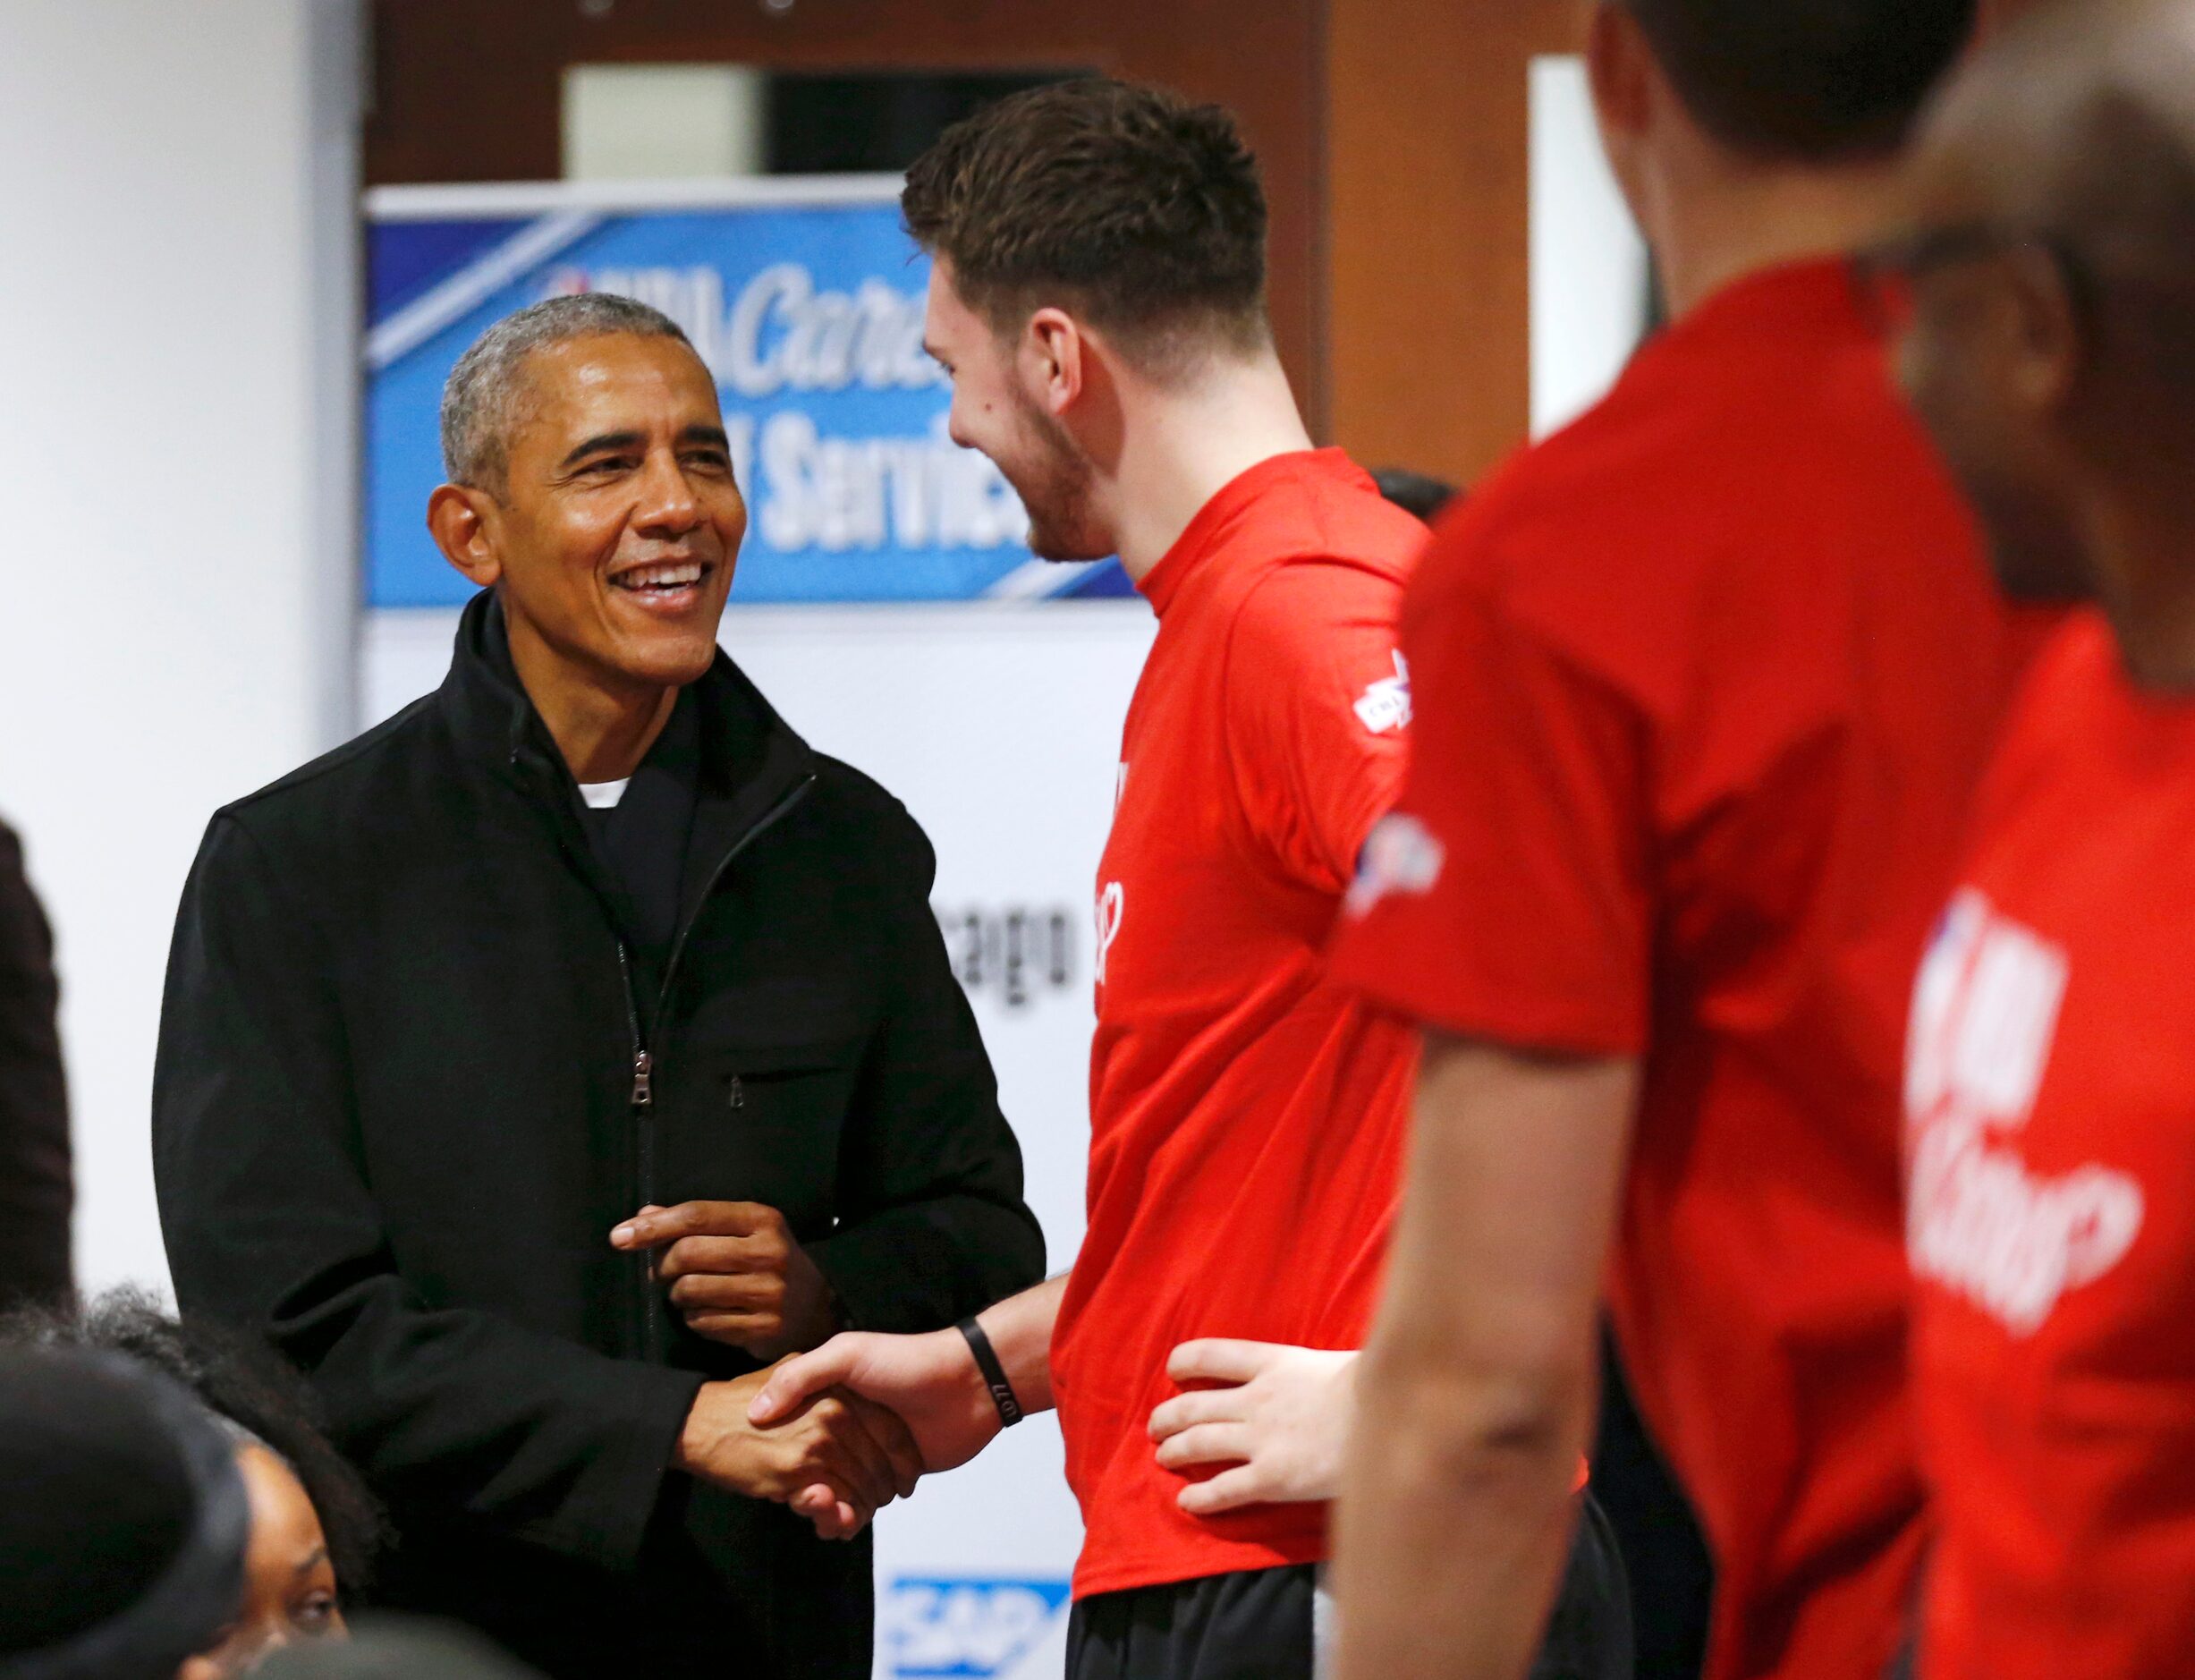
1000, 728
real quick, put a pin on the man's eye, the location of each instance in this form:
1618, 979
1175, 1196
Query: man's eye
315, 1614
605, 465
709, 460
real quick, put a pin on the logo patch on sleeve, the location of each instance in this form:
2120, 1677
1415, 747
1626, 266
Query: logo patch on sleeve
1385, 706
1401, 856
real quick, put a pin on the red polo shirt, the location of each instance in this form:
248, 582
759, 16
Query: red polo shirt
1703, 686
1246, 1116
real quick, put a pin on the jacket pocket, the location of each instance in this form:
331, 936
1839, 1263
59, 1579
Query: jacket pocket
763, 1126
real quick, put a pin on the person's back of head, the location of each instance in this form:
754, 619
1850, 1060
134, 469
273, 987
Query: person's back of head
2048, 271
1746, 135
123, 1528
1137, 212
246, 1385
1815, 82
1417, 493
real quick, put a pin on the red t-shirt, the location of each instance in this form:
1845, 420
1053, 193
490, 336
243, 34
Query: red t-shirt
1703, 687
2051, 1213
1246, 1117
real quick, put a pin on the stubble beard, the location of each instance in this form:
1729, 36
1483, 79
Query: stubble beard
1054, 480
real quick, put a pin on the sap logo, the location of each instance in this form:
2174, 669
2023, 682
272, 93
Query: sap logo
927, 1630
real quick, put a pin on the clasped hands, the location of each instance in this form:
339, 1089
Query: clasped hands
736, 1275
839, 1432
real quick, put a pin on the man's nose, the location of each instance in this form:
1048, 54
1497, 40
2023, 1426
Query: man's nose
668, 501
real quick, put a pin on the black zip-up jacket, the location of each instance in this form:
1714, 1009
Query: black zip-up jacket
398, 1109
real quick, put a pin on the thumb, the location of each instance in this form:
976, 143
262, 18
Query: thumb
798, 1379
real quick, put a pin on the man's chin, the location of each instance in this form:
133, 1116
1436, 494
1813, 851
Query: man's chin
664, 660
1072, 548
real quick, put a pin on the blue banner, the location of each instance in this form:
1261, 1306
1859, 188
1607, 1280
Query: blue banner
810, 316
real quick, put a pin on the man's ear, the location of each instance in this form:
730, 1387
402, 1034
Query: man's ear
458, 518
1051, 361
2037, 330
1618, 67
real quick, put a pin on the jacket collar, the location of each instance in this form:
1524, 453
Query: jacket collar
751, 760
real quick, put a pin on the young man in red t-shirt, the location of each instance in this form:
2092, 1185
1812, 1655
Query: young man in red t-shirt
2050, 1086
1702, 686
1098, 299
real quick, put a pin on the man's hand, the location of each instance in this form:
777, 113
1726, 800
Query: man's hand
931, 1382
735, 1275
1283, 1424
834, 1458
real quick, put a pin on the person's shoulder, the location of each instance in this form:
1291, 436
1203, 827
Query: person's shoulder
1329, 550
324, 790
867, 819
1329, 517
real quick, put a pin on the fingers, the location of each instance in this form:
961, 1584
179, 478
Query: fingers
834, 1518
799, 1379
894, 1438
653, 1227
764, 1253
866, 1469
1215, 1360
1206, 1444
1200, 1405
1230, 1491
746, 1330
714, 1292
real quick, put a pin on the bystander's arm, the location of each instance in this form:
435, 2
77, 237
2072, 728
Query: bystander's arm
1476, 1395
37, 1188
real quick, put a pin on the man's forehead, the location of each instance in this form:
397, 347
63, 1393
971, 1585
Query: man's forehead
575, 383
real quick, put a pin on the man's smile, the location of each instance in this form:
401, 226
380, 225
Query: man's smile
668, 586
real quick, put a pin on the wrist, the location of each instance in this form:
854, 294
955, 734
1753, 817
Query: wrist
997, 1388
719, 1410
688, 1451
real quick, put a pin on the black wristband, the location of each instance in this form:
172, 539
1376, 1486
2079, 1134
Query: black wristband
994, 1373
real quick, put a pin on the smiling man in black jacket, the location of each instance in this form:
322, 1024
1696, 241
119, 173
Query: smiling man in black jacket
540, 1064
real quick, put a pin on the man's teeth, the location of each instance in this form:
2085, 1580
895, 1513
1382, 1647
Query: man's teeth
661, 577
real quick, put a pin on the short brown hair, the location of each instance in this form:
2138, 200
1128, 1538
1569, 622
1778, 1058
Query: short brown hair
1807, 82
1141, 212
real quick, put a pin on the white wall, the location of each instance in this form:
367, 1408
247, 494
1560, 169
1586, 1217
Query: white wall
1589, 264
175, 512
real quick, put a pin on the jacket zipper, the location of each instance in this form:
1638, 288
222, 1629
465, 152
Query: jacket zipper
643, 1097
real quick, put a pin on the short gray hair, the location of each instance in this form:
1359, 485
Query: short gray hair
481, 402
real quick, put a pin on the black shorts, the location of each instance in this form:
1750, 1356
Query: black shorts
1262, 1624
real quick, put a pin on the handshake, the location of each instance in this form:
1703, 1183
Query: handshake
840, 1433
835, 1434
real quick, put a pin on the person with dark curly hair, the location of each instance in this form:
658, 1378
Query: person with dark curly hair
314, 1530
124, 1524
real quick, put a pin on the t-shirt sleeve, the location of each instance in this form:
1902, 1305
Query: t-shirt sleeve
1508, 896
1317, 713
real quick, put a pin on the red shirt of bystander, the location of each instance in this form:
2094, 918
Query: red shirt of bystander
2051, 1212
1703, 686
